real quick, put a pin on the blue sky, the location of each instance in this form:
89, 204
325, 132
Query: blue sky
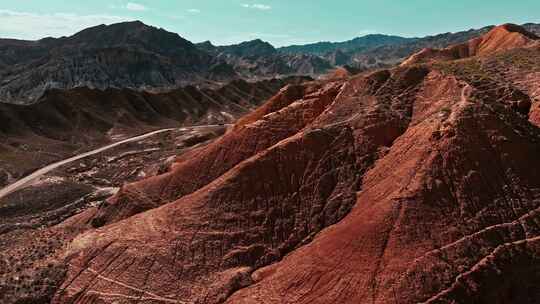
281, 22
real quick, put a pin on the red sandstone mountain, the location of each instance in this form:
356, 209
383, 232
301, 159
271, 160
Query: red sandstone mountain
418, 184
500, 38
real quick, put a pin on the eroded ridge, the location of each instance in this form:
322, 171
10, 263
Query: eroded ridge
414, 184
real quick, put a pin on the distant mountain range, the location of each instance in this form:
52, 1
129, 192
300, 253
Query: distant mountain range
378, 51
356, 44
137, 56
258, 58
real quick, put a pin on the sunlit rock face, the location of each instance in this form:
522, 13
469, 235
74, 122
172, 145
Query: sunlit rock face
415, 184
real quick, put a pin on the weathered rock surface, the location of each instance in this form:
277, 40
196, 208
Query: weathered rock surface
500, 38
257, 58
415, 184
63, 122
124, 55
379, 51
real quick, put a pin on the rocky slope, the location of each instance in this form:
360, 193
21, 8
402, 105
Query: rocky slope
413, 184
141, 57
136, 56
416, 184
353, 45
124, 55
66, 121
256, 59
379, 51
504, 37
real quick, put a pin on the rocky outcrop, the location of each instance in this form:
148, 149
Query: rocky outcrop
251, 135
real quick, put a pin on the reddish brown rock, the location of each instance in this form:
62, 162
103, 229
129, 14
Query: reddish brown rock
415, 184
199, 167
436, 221
501, 38
70, 121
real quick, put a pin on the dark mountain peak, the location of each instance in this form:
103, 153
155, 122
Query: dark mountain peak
256, 47
134, 23
131, 36
375, 36
208, 47
127, 25
256, 43
100, 29
514, 28
127, 33
206, 43
127, 54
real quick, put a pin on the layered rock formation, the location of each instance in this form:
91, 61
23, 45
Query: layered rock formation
144, 58
501, 38
65, 121
415, 184
124, 55
257, 58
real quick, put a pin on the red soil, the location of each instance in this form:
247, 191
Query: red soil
416, 184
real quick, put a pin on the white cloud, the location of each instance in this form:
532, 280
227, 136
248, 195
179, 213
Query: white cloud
262, 7
23, 25
135, 7
194, 10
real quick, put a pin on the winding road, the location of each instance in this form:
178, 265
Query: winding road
27, 180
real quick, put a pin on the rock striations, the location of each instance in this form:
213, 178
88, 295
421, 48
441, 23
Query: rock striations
144, 58
500, 38
124, 55
417, 184
65, 121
